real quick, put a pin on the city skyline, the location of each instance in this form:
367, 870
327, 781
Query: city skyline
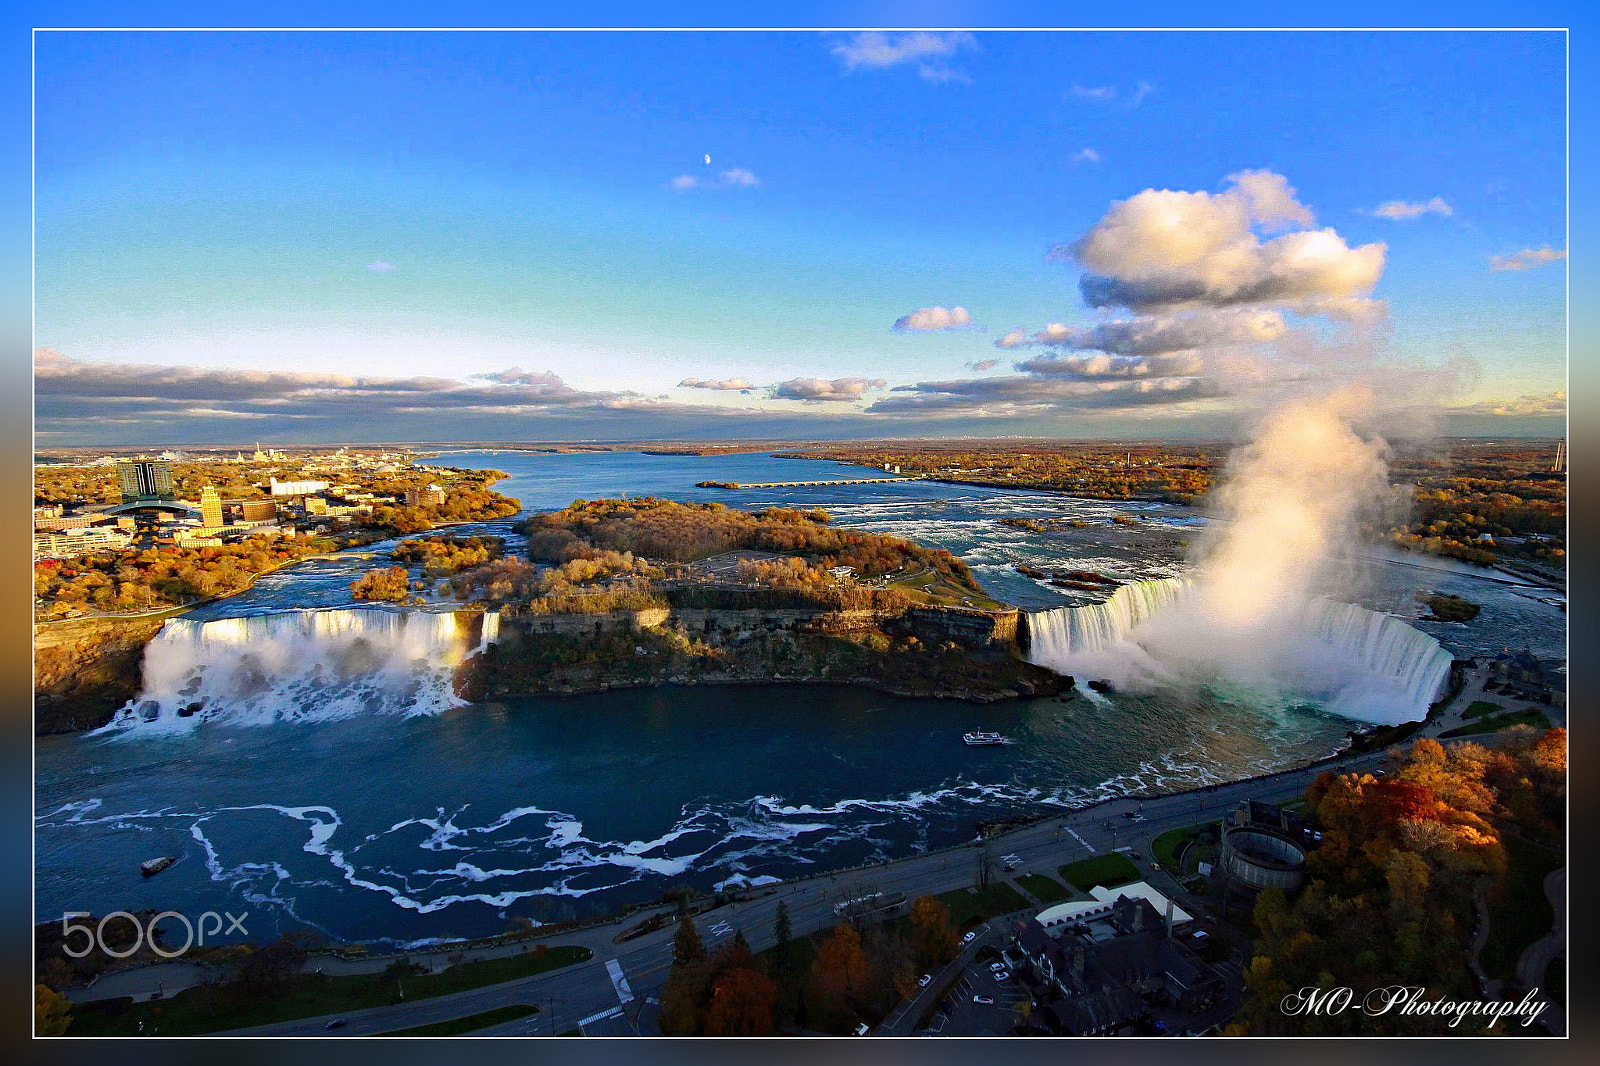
382, 237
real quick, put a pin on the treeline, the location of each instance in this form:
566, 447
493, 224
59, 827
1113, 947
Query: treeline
165, 576
830, 982
665, 530
465, 504
445, 555
1390, 899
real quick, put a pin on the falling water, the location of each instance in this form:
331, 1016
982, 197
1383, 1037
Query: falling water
1358, 662
314, 665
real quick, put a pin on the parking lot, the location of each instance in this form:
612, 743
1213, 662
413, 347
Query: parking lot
959, 1015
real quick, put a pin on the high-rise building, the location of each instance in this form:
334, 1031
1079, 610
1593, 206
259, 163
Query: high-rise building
210, 508
1560, 465
259, 510
145, 480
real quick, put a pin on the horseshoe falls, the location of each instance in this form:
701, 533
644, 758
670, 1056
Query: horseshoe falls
311, 665
1356, 662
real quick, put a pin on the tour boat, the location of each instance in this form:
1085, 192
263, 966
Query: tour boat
981, 739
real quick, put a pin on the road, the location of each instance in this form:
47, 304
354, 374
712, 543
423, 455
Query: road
621, 979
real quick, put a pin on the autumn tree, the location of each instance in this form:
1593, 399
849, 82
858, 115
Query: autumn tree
936, 937
52, 1014
686, 945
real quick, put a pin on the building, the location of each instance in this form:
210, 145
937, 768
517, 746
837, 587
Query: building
69, 521
78, 542
145, 480
432, 496
259, 510
46, 510
297, 488
1120, 972
210, 508
1263, 845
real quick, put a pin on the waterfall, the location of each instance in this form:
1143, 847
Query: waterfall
1056, 636
1357, 662
311, 665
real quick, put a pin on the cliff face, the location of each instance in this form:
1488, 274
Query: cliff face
924, 652
84, 671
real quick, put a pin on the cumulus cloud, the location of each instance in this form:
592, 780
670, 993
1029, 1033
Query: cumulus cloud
1550, 403
518, 376
732, 178
1021, 395
1407, 210
824, 390
1154, 334
1527, 258
925, 319
1163, 249
1085, 155
727, 385
1101, 365
875, 51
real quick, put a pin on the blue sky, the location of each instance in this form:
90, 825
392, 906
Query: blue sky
270, 213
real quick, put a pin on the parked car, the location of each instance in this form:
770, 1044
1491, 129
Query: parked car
997, 966
337, 1023
1155, 866
1002, 975
970, 937
925, 980
987, 1001
861, 1030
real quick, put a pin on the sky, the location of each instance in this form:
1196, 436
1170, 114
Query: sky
562, 236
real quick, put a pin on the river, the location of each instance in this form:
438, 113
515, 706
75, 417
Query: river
399, 829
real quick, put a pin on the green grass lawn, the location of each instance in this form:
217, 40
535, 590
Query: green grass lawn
1479, 708
1519, 911
1042, 888
968, 907
1495, 723
470, 1023
301, 995
1166, 845
1108, 870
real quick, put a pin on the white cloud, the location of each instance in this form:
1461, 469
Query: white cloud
1527, 258
984, 364
380, 267
1017, 338
1407, 210
823, 390
1105, 94
1165, 249
925, 319
875, 51
1085, 155
1094, 92
727, 385
733, 178
1551, 403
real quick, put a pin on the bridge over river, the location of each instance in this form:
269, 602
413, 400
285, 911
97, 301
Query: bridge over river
801, 484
